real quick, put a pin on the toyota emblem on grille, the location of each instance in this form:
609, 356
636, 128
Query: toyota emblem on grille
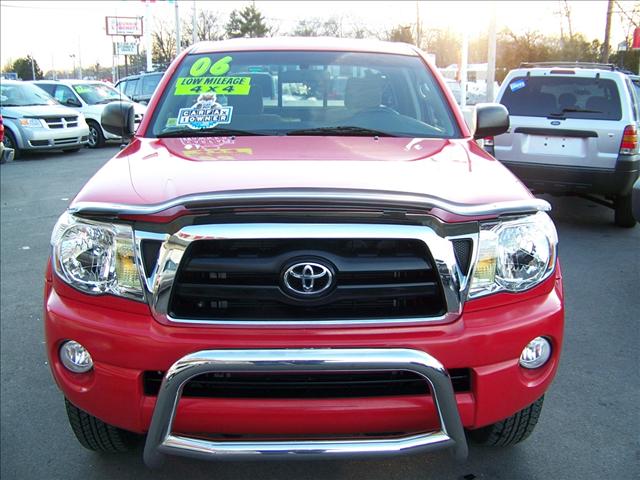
307, 278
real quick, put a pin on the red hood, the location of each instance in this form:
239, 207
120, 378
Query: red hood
152, 171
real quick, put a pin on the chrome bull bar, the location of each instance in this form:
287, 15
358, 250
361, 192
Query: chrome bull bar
160, 441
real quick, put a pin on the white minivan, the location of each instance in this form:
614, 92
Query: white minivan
89, 97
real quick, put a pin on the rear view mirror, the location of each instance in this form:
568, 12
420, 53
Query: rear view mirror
118, 119
490, 119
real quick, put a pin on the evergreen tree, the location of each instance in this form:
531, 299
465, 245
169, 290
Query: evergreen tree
248, 22
22, 67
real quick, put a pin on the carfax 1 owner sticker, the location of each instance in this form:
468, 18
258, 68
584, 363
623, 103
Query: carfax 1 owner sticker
207, 80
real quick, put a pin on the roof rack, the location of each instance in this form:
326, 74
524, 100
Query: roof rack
601, 66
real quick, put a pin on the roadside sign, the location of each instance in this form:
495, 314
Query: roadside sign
126, 48
124, 26
636, 39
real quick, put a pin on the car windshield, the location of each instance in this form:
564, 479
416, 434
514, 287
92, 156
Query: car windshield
23, 95
303, 93
95, 93
563, 97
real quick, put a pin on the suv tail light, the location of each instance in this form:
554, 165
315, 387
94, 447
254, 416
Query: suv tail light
1, 129
629, 144
488, 141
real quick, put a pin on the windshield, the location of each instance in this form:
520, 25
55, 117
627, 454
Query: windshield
303, 93
94, 93
23, 95
563, 97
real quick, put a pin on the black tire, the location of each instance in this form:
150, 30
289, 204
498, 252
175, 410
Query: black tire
94, 434
71, 150
9, 141
623, 216
96, 138
511, 430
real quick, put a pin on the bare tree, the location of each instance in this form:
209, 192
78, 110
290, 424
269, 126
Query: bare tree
208, 27
164, 43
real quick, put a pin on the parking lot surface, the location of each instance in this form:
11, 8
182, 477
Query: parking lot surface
590, 423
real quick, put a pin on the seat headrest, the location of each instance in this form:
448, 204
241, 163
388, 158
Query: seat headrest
363, 93
567, 100
247, 104
599, 104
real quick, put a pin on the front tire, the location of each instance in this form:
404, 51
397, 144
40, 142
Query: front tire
96, 138
9, 141
624, 212
511, 430
94, 434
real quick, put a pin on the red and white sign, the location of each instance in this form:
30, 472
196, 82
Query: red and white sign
124, 26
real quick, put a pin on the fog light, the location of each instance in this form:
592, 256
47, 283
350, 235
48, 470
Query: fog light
536, 353
75, 357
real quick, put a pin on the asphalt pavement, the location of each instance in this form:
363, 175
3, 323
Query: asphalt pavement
590, 422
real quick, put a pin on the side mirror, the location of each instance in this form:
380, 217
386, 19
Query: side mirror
118, 119
72, 102
490, 119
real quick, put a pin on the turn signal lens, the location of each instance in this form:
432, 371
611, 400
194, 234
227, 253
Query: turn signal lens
629, 144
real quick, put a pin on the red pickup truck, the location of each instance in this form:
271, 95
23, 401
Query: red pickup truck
269, 269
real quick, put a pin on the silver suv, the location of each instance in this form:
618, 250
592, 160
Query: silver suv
573, 130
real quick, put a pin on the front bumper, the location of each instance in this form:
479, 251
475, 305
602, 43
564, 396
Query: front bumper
161, 440
51, 139
125, 342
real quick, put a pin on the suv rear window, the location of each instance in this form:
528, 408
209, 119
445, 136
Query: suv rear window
149, 84
563, 97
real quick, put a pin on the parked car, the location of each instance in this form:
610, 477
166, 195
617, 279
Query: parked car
89, 97
248, 278
35, 121
140, 88
574, 130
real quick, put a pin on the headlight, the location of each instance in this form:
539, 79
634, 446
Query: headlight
514, 255
96, 258
31, 122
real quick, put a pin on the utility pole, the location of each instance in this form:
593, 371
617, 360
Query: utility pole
177, 28
79, 61
418, 29
607, 33
147, 34
491, 54
33, 69
194, 22
73, 56
463, 68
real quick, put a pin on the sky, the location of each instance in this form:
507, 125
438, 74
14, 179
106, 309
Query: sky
52, 31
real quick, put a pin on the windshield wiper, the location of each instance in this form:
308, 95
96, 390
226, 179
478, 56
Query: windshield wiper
343, 130
573, 110
208, 132
107, 100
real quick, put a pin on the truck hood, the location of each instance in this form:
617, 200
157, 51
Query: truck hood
155, 171
37, 111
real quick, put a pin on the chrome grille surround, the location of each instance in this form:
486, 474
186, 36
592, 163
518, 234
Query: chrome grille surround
159, 282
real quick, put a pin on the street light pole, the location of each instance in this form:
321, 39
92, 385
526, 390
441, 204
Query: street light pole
33, 69
73, 56
177, 28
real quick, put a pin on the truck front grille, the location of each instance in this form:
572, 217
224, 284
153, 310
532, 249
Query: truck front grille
243, 280
307, 385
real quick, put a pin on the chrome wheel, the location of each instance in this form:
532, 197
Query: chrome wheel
93, 136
